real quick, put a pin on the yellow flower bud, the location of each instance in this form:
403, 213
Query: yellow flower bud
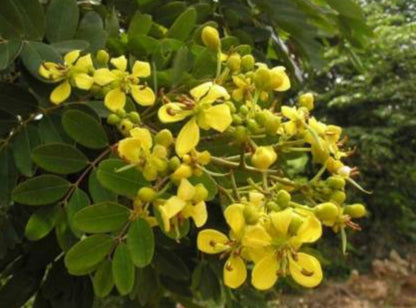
327, 212
283, 198
204, 158
125, 126
160, 151
307, 101
164, 137
187, 159
201, 193
211, 38
113, 119
240, 134
147, 194
338, 197
134, 117
263, 79
355, 210
182, 172
336, 182
264, 157
295, 223
251, 214
102, 57
247, 62
234, 62
272, 125
174, 163
150, 173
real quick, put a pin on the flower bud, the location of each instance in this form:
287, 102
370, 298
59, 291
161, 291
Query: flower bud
197, 172
134, 117
113, 119
252, 126
121, 113
147, 194
264, 96
327, 211
102, 57
276, 79
234, 62
125, 126
306, 100
244, 109
263, 79
231, 105
211, 38
264, 157
356, 210
261, 117
247, 62
150, 173
273, 206
160, 151
164, 138
338, 197
336, 182
174, 163
251, 214
283, 198
295, 224
201, 193
272, 125
182, 172
240, 134
204, 158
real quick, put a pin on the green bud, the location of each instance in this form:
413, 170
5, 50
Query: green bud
147, 194
283, 198
253, 126
113, 119
356, 210
174, 163
231, 105
273, 206
338, 197
251, 214
261, 117
327, 211
262, 79
164, 137
134, 117
336, 182
234, 62
295, 224
121, 113
102, 57
244, 109
237, 119
272, 125
240, 134
211, 38
247, 62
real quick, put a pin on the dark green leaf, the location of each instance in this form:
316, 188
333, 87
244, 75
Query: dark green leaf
17, 100
8, 177
180, 64
91, 29
141, 242
34, 53
61, 20
123, 270
59, 158
44, 189
23, 145
84, 129
126, 183
97, 191
102, 217
51, 130
41, 222
169, 264
67, 46
103, 281
88, 253
7, 122
183, 25
77, 202
9, 51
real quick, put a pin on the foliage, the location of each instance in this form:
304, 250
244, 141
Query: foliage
93, 195
376, 105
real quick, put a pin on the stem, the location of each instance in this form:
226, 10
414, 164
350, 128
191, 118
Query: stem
234, 186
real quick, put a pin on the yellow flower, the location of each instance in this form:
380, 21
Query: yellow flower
280, 245
279, 80
244, 88
123, 83
213, 242
73, 72
186, 204
296, 117
202, 112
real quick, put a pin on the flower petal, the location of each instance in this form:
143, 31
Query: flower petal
71, 57
143, 95
290, 112
129, 149
172, 112
199, 214
120, 63
186, 190
60, 93
144, 136
103, 76
306, 270
141, 69
115, 99
215, 93
264, 274
284, 83
235, 218
201, 90
188, 138
235, 272
218, 117
173, 206
310, 230
84, 63
256, 237
281, 220
212, 241
83, 81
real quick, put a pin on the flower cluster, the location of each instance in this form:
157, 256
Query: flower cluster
228, 139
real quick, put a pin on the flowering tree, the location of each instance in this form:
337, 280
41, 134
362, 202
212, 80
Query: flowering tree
200, 155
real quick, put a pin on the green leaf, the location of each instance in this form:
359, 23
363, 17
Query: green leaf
61, 20
59, 158
167, 13
126, 183
67, 46
9, 51
17, 100
64, 235
169, 264
140, 24
91, 29
41, 222
102, 217
142, 45
183, 25
347, 8
205, 64
141, 242
180, 64
22, 18
8, 177
44, 189
82, 258
23, 144
77, 202
123, 270
34, 53
84, 129
103, 281
97, 191
51, 130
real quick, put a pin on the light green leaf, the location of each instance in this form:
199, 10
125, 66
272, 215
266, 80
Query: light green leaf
183, 25
44, 189
140, 24
102, 217
41, 222
103, 281
141, 243
59, 158
84, 129
85, 255
123, 270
